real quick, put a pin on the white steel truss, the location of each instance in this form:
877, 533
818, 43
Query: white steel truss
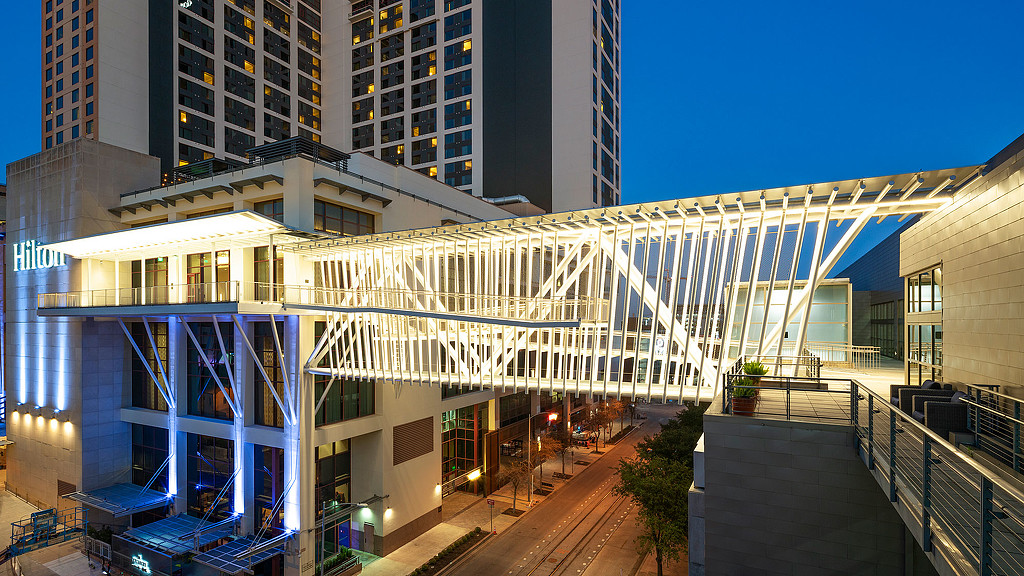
635, 301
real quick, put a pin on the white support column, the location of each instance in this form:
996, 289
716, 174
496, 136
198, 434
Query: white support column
755, 269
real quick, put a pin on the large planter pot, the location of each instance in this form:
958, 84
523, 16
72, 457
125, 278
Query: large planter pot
744, 406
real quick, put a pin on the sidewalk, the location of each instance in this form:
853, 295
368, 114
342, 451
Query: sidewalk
12, 509
462, 512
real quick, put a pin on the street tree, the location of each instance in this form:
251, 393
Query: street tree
549, 446
657, 477
594, 424
516, 473
658, 487
614, 409
563, 435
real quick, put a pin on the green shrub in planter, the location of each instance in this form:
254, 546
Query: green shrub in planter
754, 368
743, 388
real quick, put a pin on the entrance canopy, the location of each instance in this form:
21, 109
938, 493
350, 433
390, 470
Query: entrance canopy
243, 228
176, 535
121, 499
240, 555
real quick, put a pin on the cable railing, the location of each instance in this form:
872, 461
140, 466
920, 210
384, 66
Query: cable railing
963, 512
976, 515
997, 422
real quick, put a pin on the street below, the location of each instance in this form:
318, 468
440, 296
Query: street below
584, 527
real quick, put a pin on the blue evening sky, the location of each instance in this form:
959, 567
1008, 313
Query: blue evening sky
728, 96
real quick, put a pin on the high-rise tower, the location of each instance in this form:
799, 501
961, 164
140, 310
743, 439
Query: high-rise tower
494, 98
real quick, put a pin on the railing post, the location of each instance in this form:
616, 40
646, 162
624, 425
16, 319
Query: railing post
854, 398
789, 392
727, 394
926, 498
871, 432
1016, 437
985, 534
892, 455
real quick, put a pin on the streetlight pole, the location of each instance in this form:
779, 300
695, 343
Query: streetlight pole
529, 435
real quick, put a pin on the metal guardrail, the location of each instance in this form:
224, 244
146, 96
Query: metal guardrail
965, 513
976, 516
499, 306
97, 548
200, 293
998, 424
846, 355
494, 306
807, 365
792, 397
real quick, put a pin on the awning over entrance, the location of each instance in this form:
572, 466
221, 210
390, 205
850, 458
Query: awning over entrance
121, 499
176, 535
243, 228
240, 555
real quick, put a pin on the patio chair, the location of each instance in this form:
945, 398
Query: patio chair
907, 396
942, 415
894, 390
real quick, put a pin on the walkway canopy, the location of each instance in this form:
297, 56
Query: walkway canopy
650, 300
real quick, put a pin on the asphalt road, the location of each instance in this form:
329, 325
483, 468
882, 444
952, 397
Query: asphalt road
570, 531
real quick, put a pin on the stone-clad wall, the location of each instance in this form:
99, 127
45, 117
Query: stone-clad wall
793, 498
64, 363
979, 241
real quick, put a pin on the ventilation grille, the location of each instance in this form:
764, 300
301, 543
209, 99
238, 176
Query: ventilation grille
413, 439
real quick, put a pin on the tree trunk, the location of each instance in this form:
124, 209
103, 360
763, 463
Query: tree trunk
657, 557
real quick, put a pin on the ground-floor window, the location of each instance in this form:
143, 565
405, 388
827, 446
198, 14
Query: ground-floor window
462, 442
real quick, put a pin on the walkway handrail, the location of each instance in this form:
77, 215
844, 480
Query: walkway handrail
998, 421
485, 305
975, 516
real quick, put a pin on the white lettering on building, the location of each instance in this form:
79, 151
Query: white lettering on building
29, 256
142, 565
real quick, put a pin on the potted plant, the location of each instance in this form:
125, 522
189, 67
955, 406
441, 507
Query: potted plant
755, 369
744, 397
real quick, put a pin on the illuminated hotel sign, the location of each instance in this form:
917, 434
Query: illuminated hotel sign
29, 256
141, 564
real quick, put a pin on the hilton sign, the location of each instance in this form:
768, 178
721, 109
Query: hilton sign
29, 256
